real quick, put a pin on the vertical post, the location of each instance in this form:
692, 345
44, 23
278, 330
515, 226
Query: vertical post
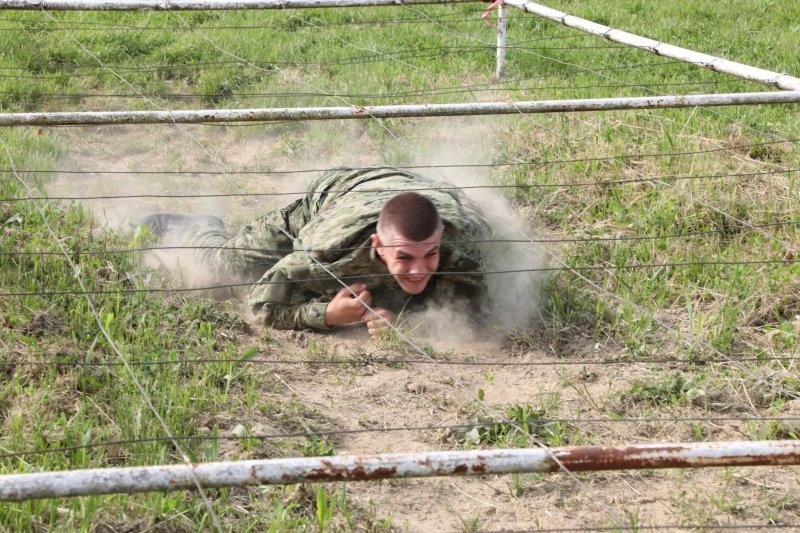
501, 41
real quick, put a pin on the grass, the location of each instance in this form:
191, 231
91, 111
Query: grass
739, 310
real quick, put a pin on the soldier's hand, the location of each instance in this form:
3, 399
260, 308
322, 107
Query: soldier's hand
376, 322
346, 308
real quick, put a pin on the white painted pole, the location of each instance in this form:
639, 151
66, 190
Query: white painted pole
501, 40
20, 487
767, 77
393, 111
187, 5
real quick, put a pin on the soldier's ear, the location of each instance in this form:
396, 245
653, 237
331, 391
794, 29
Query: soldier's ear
376, 243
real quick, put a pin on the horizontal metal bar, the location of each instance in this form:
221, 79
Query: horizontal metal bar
188, 5
718, 64
392, 111
19, 487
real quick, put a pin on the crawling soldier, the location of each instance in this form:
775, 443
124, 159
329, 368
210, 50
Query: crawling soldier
397, 240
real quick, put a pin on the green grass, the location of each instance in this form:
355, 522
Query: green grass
741, 311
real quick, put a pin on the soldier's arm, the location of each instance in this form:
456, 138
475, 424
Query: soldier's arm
307, 315
282, 299
291, 296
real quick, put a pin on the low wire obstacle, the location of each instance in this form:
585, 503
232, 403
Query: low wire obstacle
549, 454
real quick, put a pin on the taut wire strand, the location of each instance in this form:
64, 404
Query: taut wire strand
598, 239
561, 185
541, 162
398, 429
565, 267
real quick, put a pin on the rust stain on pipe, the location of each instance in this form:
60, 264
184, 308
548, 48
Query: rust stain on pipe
332, 472
631, 457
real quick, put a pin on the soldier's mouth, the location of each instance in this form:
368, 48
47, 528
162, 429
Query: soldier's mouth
414, 286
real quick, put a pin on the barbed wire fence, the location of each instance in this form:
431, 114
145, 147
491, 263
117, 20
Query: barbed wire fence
574, 269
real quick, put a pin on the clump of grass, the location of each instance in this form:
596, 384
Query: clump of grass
673, 389
525, 425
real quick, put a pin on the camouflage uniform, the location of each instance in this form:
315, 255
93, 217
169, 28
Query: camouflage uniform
334, 220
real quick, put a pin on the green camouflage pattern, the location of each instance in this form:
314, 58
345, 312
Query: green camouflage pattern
334, 221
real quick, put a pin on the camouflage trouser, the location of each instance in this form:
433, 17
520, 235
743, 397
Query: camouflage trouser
246, 256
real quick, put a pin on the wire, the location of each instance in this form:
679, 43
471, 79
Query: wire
573, 268
565, 72
336, 432
447, 188
409, 53
541, 162
476, 241
458, 89
37, 97
403, 53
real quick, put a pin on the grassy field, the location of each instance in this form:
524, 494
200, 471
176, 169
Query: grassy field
613, 189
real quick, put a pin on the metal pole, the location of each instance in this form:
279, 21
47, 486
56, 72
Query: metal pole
20, 487
392, 111
780, 80
186, 5
501, 40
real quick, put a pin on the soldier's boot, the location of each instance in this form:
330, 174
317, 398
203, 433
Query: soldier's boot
197, 242
162, 224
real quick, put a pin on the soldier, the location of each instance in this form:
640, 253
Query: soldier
397, 240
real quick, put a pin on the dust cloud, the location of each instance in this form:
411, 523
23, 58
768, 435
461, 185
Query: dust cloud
448, 326
515, 297
136, 171
109, 152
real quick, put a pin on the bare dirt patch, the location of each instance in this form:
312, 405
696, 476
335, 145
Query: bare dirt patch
381, 395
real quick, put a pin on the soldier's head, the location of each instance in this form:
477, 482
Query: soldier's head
408, 239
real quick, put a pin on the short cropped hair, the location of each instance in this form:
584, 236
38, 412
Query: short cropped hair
411, 215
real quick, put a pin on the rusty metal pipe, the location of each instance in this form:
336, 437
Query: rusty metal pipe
190, 5
393, 111
20, 487
777, 79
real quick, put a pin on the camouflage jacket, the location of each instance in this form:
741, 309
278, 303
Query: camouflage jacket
331, 226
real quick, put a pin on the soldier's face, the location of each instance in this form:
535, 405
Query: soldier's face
410, 262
